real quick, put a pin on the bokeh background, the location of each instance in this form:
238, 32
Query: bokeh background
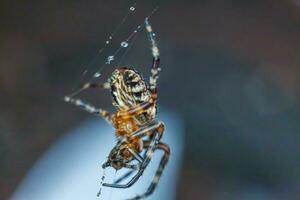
230, 70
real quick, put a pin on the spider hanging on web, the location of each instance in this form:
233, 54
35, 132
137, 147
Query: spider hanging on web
136, 127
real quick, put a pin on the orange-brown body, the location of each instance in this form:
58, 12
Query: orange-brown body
128, 122
125, 126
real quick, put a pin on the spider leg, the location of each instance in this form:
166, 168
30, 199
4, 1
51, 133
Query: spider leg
134, 166
137, 110
127, 185
155, 53
155, 127
136, 155
89, 108
87, 86
130, 183
165, 148
126, 175
143, 165
85, 106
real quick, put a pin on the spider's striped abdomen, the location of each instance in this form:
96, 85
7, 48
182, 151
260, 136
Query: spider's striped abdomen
130, 91
128, 88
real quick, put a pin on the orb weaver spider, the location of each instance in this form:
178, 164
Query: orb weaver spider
137, 130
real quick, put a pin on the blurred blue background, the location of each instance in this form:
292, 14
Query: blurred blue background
230, 71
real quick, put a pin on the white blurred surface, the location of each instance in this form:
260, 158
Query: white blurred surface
71, 168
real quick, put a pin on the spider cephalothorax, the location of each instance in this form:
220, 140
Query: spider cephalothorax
118, 157
136, 128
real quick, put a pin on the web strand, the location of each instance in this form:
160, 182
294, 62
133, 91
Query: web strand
124, 45
87, 67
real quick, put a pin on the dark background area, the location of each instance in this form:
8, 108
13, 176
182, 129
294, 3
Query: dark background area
230, 69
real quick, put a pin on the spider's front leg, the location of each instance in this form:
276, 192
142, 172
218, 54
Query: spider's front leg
88, 107
155, 60
88, 86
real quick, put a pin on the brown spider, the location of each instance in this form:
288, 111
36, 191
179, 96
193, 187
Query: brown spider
135, 121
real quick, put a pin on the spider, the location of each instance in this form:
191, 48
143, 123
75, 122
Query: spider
137, 130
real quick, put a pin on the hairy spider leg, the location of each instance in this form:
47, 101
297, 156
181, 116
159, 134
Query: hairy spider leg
126, 175
133, 168
137, 176
89, 108
87, 86
155, 131
137, 110
164, 160
136, 155
155, 61
140, 133
156, 125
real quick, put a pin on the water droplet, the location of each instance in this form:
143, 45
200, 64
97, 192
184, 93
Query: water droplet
124, 44
153, 34
67, 99
149, 28
132, 8
97, 74
109, 59
110, 37
101, 184
107, 42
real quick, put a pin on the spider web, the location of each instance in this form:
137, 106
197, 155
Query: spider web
92, 71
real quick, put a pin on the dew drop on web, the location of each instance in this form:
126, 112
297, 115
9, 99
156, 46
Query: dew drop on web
124, 44
97, 74
101, 183
109, 59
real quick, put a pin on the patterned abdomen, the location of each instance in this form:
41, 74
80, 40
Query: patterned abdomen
128, 88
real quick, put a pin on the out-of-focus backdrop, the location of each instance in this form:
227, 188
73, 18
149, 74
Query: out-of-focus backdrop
230, 70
